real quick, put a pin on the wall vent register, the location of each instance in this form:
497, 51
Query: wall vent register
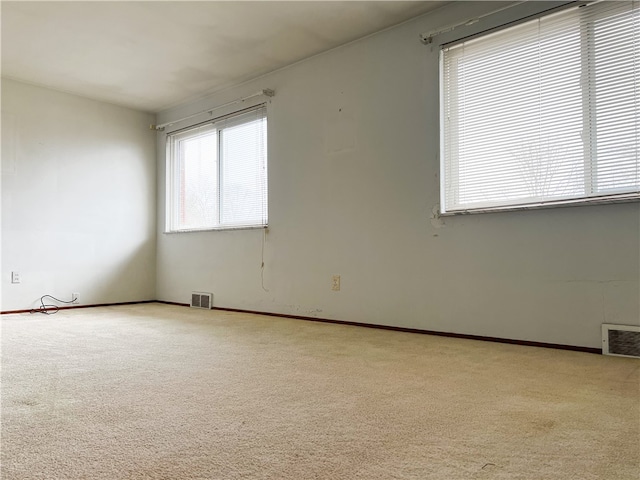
202, 300
621, 340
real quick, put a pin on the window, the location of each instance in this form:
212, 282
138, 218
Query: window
217, 173
542, 113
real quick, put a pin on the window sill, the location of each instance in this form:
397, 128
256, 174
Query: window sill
539, 206
219, 229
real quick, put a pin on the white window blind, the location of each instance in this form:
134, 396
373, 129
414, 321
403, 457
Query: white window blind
217, 175
545, 112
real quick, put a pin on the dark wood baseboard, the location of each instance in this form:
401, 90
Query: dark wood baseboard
173, 303
527, 343
37, 310
511, 341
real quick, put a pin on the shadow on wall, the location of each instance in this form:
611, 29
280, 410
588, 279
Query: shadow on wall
131, 279
128, 278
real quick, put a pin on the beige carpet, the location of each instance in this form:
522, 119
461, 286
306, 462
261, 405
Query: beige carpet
162, 392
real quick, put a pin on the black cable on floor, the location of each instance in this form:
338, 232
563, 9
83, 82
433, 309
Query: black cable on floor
43, 308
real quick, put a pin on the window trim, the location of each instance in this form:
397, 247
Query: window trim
610, 198
170, 165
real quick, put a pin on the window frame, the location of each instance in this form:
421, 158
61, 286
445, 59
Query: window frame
446, 164
172, 163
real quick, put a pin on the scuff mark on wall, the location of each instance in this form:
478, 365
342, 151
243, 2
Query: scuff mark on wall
340, 132
435, 219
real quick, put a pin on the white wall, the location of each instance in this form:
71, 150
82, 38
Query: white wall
353, 179
78, 199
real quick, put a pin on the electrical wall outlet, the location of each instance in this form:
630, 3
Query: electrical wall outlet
335, 283
15, 277
74, 297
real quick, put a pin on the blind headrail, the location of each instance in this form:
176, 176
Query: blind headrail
264, 92
427, 38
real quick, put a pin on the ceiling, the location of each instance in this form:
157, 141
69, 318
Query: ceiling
151, 55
